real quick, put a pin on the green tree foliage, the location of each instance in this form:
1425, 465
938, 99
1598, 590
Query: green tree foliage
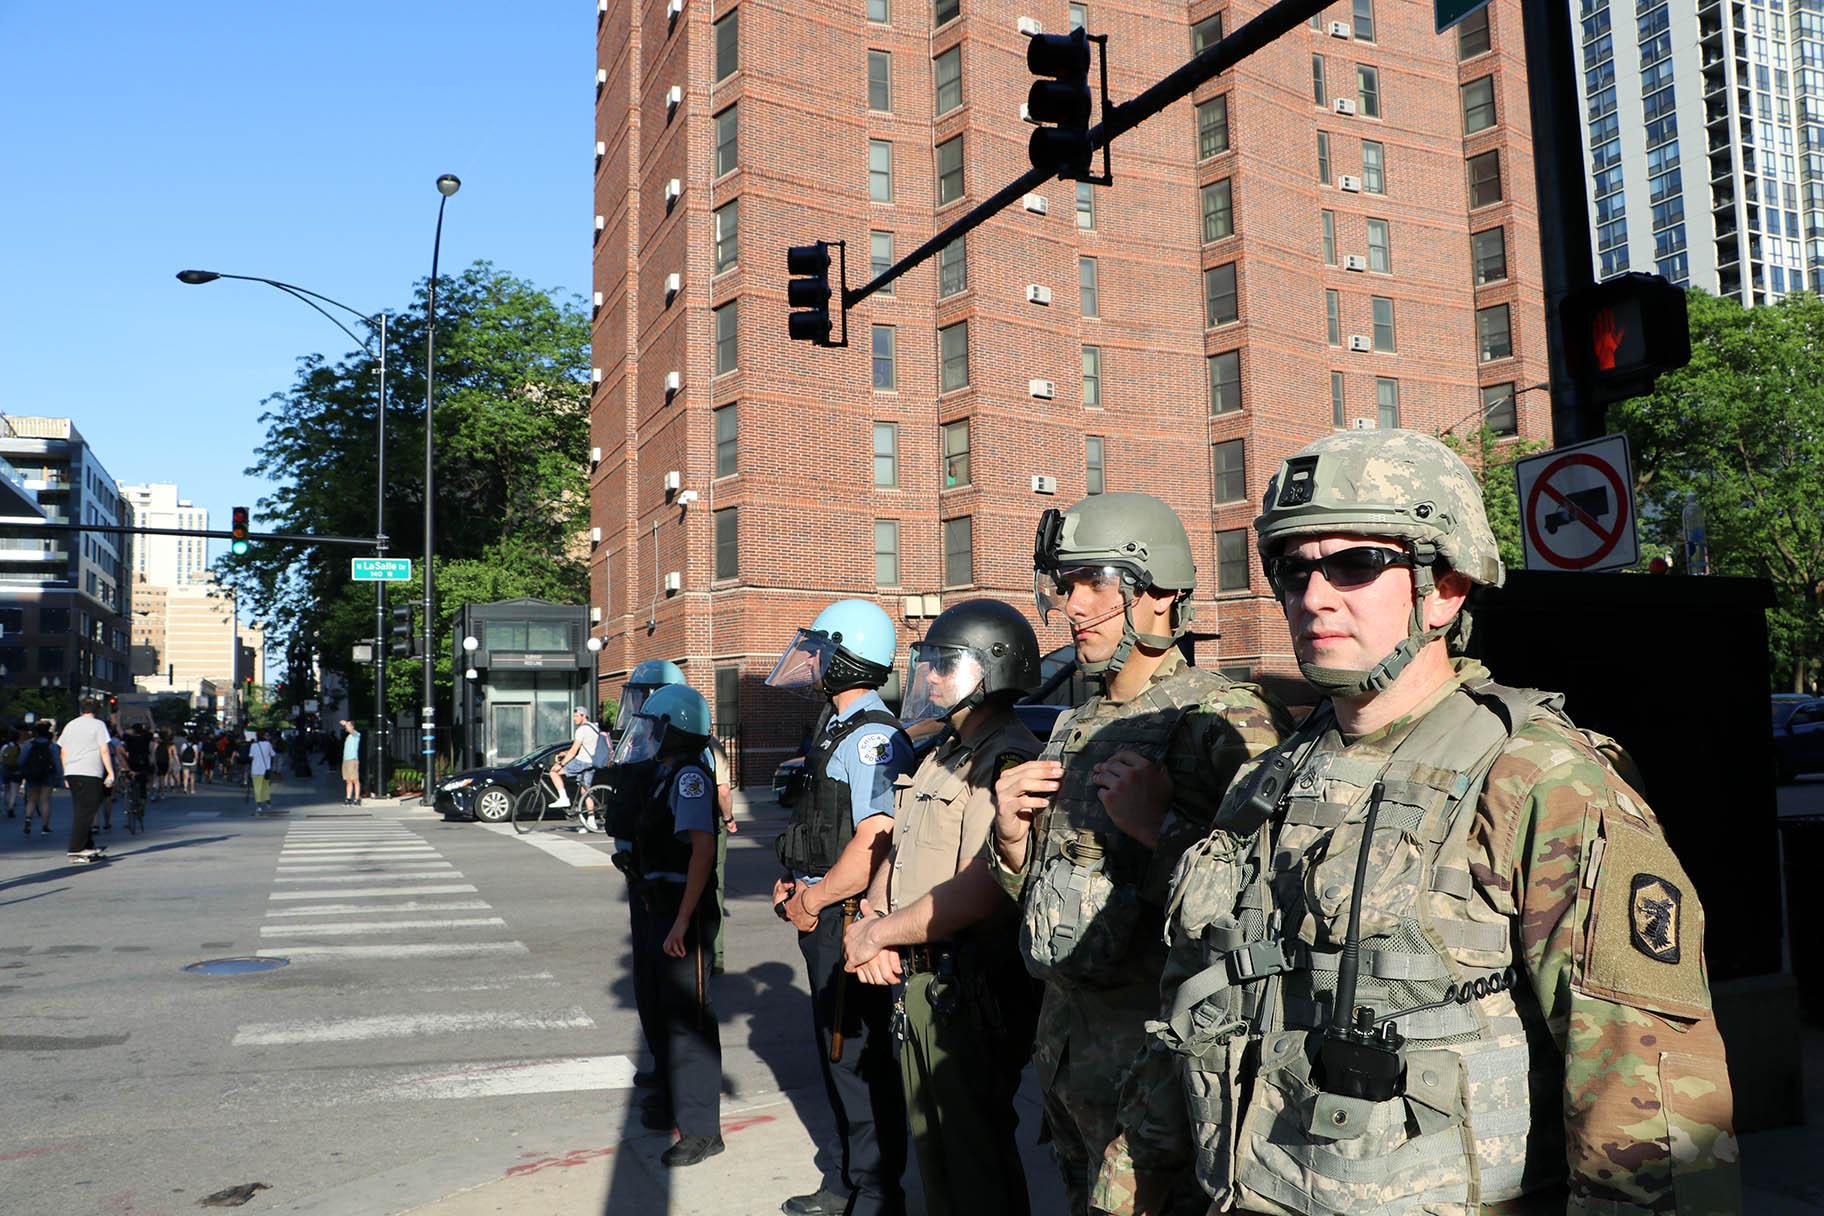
1491, 458
512, 430
1741, 431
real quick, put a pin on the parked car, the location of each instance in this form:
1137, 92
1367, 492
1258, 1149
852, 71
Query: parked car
1798, 735
486, 794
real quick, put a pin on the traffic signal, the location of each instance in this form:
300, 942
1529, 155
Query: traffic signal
1619, 335
401, 647
808, 292
1062, 101
237, 529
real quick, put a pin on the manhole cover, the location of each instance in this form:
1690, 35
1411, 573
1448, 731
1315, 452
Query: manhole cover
236, 966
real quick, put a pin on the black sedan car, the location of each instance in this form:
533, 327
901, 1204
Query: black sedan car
487, 794
1798, 734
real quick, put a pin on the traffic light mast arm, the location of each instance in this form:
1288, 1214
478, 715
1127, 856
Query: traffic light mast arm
291, 538
1211, 62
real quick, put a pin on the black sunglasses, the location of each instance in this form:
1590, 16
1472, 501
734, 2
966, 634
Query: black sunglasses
1345, 569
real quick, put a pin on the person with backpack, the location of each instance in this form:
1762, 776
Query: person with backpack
40, 771
588, 751
189, 756
10, 778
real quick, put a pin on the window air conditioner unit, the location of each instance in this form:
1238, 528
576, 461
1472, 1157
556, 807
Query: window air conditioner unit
595, 455
1030, 26
1364, 424
595, 537
1035, 203
1358, 342
595, 375
1025, 112
673, 188
1354, 261
599, 299
1038, 293
1349, 182
674, 582
595, 614
1343, 105
674, 96
914, 604
601, 222
674, 283
673, 382
601, 76
1044, 485
673, 8
601, 148
601, 6
674, 480
1338, 29
1044, 390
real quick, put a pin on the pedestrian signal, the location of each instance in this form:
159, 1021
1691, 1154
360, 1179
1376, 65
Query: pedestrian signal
1619, 335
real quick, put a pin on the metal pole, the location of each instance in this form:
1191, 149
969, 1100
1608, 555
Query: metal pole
428, 714
378, 740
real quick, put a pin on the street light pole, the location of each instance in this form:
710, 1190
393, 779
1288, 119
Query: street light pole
447, 185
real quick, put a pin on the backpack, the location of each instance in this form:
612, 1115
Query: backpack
37, 765
600, 758
9, 755
188, 755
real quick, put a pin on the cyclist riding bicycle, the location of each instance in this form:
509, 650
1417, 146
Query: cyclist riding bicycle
139, 760
573, 769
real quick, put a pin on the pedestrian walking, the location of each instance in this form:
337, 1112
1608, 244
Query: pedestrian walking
260, 760
88, 763
165, 762
189, 757
40, 771
351, 764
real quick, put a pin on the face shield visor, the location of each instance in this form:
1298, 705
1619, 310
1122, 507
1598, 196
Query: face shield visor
633, 696
804, 662
641, 742
1107, 587
943, 679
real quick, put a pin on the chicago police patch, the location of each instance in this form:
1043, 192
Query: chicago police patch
1653, 908
691, 785
874, 747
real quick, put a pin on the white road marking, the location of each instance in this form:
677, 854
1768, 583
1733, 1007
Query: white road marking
537, 979
506, 1077
572, 851
399, 864
410, 905
371, 877
457, 888
404, 851
354, 928
408, 1025
399, 950
204, 815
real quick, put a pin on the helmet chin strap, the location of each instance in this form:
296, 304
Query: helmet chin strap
1348, 682
1129, 638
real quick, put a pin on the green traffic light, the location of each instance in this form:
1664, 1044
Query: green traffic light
237, 547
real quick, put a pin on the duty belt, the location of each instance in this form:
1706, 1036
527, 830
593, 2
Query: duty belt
930, 957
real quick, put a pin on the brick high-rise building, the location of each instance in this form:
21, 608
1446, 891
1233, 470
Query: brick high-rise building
1341, 231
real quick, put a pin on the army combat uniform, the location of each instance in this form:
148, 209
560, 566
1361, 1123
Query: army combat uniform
1092, 897
1525, 927
969, 1006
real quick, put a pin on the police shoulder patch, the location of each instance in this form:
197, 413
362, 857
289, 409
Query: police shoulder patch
874, 746
691, 784
1653, 916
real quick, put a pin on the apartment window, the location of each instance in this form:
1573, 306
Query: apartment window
725, 441
886, 455
1494, 337
1232, 560
728, 235
1225, 382
884, 343
1367, 91
1364, 20
950, 170
728, 698
880, 11
1329, 221
728, 45
1488, 250
727, 129
1213, 127
959, 552
1472, 35
727, 336
952, 268
1498, 412
1383, 324
953, 356
1478, 105
1231, 471
1220, 306
880, 257
956, 453
886, 552
1086, 205
1319, 94
1086, 282
1336, 400
880, 81
1079, 16
1484, 179
1206, 33
1374, 161
1218, 211
1323, 157
1092, 375
728, 549
1092, 463
880, 170
945, 10
1333, 317
1387, 402
949, 73
1380, 247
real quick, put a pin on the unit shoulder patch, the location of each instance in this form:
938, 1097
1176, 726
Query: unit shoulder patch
1654, 905
1007, 760
691, 784
874, 747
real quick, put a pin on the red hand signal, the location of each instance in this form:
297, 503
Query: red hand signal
1607, 337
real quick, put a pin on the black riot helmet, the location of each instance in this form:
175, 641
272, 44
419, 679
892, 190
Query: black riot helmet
973, 651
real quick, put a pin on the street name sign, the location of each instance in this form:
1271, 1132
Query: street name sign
1577, 507
382, 569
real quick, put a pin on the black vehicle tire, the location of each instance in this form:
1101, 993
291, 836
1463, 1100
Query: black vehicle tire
529, 808
493, 804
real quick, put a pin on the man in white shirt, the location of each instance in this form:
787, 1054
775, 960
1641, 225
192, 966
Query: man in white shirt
88, 771
260, 759
578, 761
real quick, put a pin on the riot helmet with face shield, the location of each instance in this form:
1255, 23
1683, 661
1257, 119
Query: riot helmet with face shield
850, 645
974, 651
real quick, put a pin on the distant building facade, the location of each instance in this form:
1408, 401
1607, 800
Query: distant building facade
167, 561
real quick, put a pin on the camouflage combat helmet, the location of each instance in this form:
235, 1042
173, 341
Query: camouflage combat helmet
1396, 484
1135, 534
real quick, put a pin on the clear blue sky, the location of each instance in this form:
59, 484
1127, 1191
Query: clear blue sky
299, 142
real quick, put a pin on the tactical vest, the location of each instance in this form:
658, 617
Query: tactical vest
1270, 904
630, 788
657, 848
822, 823
1083, 920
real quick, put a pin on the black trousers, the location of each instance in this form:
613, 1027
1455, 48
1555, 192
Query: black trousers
686, 1043
85, 795
645, 972
864, 1086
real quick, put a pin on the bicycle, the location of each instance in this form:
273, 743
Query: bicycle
529, 808
136, 804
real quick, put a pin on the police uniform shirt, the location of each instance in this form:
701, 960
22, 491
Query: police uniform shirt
946, 808
868, 761
693, 809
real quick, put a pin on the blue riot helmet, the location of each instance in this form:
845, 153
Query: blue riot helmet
642, 682
850, 645
674, 718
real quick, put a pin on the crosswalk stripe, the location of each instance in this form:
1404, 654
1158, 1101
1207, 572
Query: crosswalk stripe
427, 875
370, 866
403, 1025
456, 888
410, 905
396, 950
537, 979
357, 927
572, 851
502, 1078
346, 854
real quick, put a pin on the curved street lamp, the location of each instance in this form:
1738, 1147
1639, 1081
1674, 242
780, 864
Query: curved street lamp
447, 185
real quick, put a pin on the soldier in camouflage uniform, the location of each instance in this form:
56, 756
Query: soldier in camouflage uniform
1524, 1025
1087, 835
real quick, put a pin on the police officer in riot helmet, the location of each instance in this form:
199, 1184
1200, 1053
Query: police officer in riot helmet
838, 836
944, 926
1087, 835
673, 859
